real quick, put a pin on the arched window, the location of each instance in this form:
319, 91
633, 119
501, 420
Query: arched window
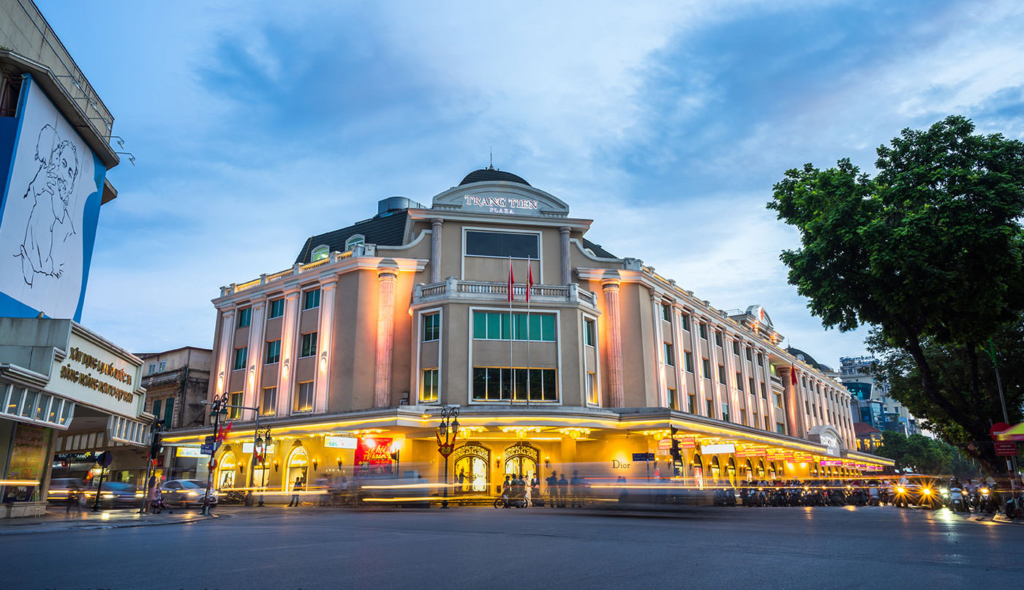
297, 469
354, 241
716, 469
226, 470
771, 470
320, 252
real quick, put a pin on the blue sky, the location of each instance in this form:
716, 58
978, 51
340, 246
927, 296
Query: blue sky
255, 125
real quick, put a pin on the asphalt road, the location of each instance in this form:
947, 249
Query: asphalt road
487, 549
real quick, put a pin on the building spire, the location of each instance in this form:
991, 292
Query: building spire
490, 153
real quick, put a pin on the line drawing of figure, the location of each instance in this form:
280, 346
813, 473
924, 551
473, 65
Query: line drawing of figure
51, 220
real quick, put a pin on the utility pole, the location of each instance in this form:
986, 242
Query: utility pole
1006, 416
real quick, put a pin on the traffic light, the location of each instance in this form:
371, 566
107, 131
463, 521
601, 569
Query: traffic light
157, 446
675, 452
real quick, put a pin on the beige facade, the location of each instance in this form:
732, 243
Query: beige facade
605, 358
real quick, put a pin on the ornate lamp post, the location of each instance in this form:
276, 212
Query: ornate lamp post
447, 432
218, 410
259, 449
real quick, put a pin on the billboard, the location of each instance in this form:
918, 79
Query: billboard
49, 208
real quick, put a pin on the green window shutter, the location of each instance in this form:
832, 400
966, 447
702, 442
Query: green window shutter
548, 328
156, 408
168, 412
479, 325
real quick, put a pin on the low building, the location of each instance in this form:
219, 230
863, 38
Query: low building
558, 354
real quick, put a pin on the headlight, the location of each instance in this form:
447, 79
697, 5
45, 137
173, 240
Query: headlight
138, 494
193, 494
108, 496
900, 490
926, 492
984, 490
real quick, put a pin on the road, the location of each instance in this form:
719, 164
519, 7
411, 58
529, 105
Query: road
476, 548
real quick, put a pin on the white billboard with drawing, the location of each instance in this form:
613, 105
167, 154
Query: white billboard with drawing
49, 213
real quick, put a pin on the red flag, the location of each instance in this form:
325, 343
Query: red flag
511, 280
792, 373
529, 280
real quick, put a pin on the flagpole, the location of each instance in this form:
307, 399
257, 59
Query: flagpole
511, 324
529, 287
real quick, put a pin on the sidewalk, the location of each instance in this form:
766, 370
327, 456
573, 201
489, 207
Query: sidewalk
57, 521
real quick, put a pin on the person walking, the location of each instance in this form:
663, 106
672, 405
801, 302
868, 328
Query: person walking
535, 491
295, 493
575, 490
552, 482
563, 489
74, 498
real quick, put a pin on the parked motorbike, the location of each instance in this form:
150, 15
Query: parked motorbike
957, 502
1014, 506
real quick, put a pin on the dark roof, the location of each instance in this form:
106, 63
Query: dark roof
597, 249
803, 356
387, 229
488, 174
863, 428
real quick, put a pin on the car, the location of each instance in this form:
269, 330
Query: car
916, 490
114, 494
60, 489
185, 493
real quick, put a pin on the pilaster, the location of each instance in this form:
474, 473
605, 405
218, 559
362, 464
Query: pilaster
289, 333
659, 351
250, 394
435, 249
566, 260
325, 331
616, 395
387, 277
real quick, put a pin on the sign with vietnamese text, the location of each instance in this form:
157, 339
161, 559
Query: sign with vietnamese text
340, 442
1006, 449
373, 456
720, 449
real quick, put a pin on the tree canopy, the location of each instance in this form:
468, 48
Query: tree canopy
924, 455
930, 251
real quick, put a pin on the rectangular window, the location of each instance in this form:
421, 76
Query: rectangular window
163, 367
241, 357
693, 403
494, 325
725, 412
666, 312
688, 361
743, 417
152, 368
431, 327
780, 428
778, 400
273, 352
591, 388
308, 345
311, 299
430, 389
244, 317
268, 402
750, 355
686, 322
589, 334
235, 399
704, 331
718, 339
706, 366
168, 412
764, 391
158, 405
709, 406
303, 397
752, 389
276, 308
672, 401
502, 244
721, 374
504, 384
735, 348
739, 381
670, 357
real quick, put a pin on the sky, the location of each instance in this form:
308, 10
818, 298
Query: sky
257, 124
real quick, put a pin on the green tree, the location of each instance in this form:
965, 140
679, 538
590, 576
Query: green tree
930, 252
924, 455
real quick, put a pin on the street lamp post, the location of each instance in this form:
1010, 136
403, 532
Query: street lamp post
259, 450
217, 408
447, 432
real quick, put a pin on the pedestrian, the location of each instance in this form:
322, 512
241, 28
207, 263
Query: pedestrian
74, 498
460, 481
575, 485
295, 493
563, 489
623, 491
535, 490
552, 482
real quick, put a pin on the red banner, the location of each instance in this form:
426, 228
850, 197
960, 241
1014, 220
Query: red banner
373, 456
1006, 449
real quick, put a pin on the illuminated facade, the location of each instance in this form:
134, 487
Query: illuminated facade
379, 324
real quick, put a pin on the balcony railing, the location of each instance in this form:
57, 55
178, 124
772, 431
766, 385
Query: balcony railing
495, 291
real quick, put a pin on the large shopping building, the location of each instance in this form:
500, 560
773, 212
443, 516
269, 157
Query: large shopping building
590, 363
65, 390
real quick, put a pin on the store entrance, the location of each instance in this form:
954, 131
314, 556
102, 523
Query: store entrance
471, 463
521, 460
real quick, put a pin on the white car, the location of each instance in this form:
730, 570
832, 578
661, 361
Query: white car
185, 493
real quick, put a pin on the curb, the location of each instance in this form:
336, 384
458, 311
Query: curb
39, 528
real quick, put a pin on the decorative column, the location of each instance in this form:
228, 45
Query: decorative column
616, 395
791, 398
289, 332
730, 375
435, 250
325, 335
769, 401
387, 277
566, 275
677, 337
659, 351
716, 387
254, 369
226, 352
698, 365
